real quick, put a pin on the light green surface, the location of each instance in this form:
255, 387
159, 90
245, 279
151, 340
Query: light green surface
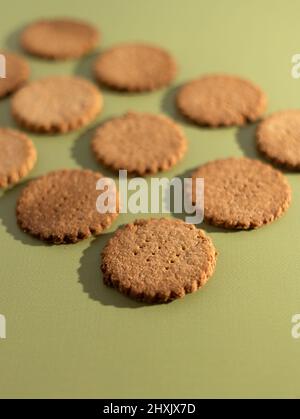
69, 336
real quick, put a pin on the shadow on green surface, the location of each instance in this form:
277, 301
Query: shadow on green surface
8, 201
6, 119
168, 106
12, 42
245, 138
84, 67
81, 152
90, 277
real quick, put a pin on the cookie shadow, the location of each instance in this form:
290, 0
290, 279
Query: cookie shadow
246, 139
82, 153
168, 107
6, 118
91, 278
182, 215
12, 42
84, 67
8, 203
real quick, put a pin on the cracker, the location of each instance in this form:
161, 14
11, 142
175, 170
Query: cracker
141, 143
278, 138
59, 38
17, 73
221, 100
56, 104
60, 207
135, 67
17, 156
242, 193
158, 260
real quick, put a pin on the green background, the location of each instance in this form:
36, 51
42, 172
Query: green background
68, 335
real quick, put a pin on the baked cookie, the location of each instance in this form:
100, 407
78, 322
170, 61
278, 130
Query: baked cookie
158, 260
60, 207
56, 104
278, 138
135, 67
221, 100
59, 38
17, 73
141, 143
17, 156
242, 193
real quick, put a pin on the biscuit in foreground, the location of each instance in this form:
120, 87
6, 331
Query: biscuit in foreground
17, 73
278, 138
242, 193
158, 260
60, 207
221, 100
57, 104
135, 67
17, 156
140, 143
59, 39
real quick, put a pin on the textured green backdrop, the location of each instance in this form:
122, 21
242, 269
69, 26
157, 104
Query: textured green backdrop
67, 335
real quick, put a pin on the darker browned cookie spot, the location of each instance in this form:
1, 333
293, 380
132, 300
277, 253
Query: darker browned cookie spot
60, 207
242, 193
141, 143
135, 67
278, 138
158, 260
17, 73
17, 156
56, 104
221, 100
59, 38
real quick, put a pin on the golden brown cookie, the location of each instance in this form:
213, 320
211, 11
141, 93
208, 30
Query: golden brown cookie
278, 138
56, 104
141, 143
221, 100
60, 207
17, 156
135, 67
242, 193
59, 38
17, 73
158, 260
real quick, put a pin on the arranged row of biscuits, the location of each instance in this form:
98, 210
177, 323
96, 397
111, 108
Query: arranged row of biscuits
156, 260
63, 103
